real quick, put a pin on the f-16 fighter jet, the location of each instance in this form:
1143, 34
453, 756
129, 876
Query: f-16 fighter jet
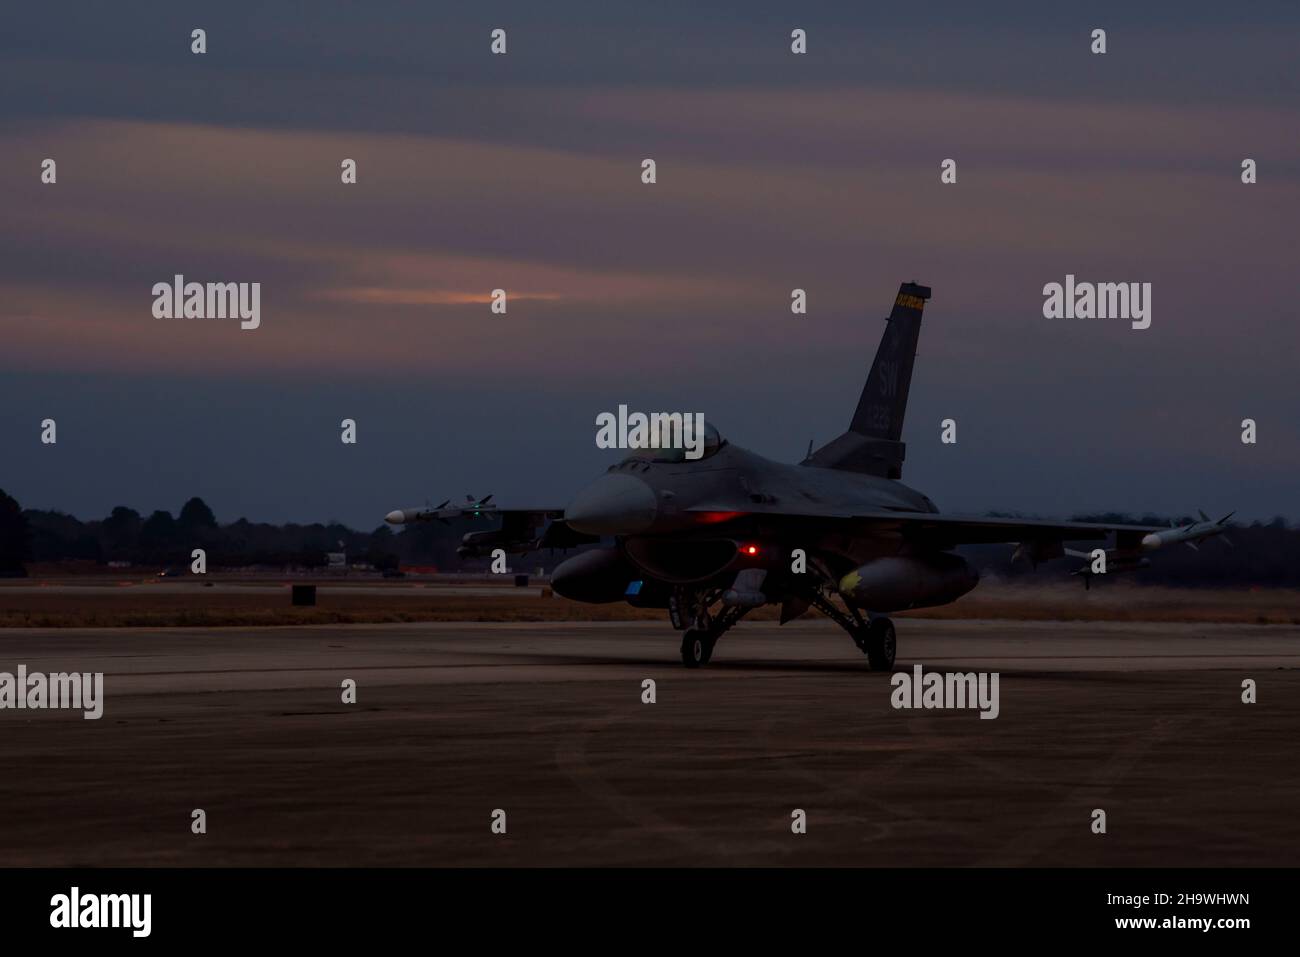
710, 537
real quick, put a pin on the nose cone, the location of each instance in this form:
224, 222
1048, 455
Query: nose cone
395, 517
613, 505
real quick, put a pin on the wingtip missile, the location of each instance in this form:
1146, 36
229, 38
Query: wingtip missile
1188, 534
408, 516
442, 513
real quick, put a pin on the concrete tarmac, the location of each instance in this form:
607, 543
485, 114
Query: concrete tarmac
546, 722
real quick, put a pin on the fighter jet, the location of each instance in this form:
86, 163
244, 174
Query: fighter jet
708, 539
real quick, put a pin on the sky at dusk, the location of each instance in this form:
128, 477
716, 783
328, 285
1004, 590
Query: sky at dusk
522, 171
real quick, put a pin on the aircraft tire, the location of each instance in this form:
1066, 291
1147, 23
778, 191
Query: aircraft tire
880, 643
697, 647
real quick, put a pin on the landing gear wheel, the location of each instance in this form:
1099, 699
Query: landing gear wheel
880, 643
697, 647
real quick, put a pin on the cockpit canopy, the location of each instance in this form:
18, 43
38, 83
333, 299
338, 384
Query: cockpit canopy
681, 445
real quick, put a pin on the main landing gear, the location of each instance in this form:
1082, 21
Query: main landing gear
689, 610
878, 642
704, 630
874, 637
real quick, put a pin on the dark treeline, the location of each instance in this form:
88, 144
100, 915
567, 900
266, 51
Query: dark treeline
161, 539
1261, 554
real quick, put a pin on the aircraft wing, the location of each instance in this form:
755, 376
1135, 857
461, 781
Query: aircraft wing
518, 532
445, 512
944, 531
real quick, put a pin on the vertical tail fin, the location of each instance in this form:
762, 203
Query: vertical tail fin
884, 397
873, 442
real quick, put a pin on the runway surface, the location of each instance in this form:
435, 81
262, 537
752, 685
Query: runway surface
547, 722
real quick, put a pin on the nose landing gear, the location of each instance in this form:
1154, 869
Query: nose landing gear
697, 647
705, 630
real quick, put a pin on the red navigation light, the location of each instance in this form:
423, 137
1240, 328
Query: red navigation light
750, 549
